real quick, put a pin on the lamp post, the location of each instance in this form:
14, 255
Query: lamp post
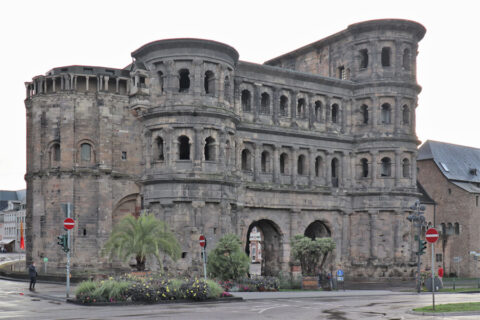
418, 220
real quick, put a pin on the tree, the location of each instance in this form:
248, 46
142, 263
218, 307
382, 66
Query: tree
309, 252
228, 261
141, 237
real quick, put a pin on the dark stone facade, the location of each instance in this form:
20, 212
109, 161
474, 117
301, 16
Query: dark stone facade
323, 136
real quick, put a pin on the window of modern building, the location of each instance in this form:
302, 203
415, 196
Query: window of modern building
406, 168
301, 170
183, 148
246, 101
386, 114
364, 165
265, 103
246, 160
318, 111
184, 80
209, 150
334, 113
363, 58
209, 83
283, 106
386, 167
386, 53
284, 163
364, 111
406, 114
265, 162
86, 152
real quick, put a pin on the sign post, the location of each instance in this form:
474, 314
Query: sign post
203, 244
432, 236
68, 224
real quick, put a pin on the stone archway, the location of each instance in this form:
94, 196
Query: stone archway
126, 205
270, 240
317, 229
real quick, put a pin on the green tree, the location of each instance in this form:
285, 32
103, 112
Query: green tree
228, 261
141, 237
309, 252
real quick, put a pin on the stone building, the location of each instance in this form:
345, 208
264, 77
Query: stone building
319, 141
450, 174
12, 214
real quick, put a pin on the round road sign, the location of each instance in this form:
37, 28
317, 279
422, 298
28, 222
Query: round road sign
69, 223
432, 235
203, 241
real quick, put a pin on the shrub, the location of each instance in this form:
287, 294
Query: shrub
309, 252
195, 289
228, 261
258, 284
110, 290
214, 289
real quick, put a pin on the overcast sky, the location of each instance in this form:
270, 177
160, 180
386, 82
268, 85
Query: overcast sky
37, 36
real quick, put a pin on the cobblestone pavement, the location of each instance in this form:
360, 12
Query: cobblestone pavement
16, 302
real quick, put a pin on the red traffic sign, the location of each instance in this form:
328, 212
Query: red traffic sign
432, 235
202, 241
69, 223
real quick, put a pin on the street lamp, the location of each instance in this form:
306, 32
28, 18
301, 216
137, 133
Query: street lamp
418, 220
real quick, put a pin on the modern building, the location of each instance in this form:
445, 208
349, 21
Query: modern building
450, 174
319, 141
12, 215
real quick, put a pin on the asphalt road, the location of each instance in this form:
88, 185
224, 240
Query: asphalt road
16, 302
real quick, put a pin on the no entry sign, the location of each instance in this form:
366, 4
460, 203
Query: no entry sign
432, 235
69, 223
202, 241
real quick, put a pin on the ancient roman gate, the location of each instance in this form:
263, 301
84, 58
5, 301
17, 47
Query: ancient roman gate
320, 141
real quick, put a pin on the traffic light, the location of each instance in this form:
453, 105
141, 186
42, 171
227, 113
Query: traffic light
63, 241
422, 245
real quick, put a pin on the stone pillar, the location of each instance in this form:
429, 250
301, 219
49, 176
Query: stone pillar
221, 148
117, 81
276, 163
171, 81
220, 81
256, 161
196, 83
343, 115
311, 167
328, 110
413, 169
87, 80
169, 145
374, 167
397, 115
294, 165
149, 141
275, 104
293, 105
328, 168
345, 236
310, 111
413, 116
398, 167
106, 79
53, 84
237, 103
347, 176
398, 56
373, 216
197, 147
256, 101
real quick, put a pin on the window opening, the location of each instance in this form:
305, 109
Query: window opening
406, 168
283, 106
301, 165
364, 110
301, 108
209, 82
283, 163
342, 74
406, 114
334, 113
124, 155
318, 166
246, 101
386, 167
56, 152
386, 114
265, 103
265, 162
184, 148
334, 168
363, 58
386, 52
457, 228
184, 80
438, 257
86, 151
209, 149
318, 111
246, 160
84, 232
364, 163
160, 153
160, 81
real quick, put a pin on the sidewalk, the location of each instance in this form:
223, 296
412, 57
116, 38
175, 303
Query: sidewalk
313, 294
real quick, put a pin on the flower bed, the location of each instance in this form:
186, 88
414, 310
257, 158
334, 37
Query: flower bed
254, 284
146, 289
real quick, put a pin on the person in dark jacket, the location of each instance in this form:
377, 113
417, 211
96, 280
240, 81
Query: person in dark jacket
32, 272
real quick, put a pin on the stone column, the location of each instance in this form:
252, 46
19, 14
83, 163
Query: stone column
293, 105
413, 169
256, 161
196, 83
328, 109
343, 115
276, 163
311, 167
310, 111
117, 85
221, 148
373, 216
413, 116
345, 236
397, 115
169, 146
294, 165
328, 168
106, 78
171, 81
375, 106
220, 91
398, 167
374, 167
256, 101
237, 103
53, 85
197, 148
275, 104
347, 176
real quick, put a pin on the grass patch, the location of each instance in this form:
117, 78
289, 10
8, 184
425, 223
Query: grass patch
451, 307
459, 290
297, 290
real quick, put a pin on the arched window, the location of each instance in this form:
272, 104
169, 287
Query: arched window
443, 228
283, 106
450, 230
334, 168
246, 160
246, 101
457, 228
183, 148
184, 80
301, 108
364, 164
265, 103
406, 59
284, 163
406, 168
386, 52
265, 161
209, 83
160, 153
209, 151
334, 113
160, 81
86, 152
301, 165
364, 111
363, 58
226, 90
406, 114
318, 111
386, 167
318, 166
386, 114
55, 152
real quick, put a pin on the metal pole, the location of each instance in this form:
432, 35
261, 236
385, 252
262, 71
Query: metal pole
419, 285
204, 264
68, 253
433, 275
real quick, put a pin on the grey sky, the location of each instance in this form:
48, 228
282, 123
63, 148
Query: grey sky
39, 35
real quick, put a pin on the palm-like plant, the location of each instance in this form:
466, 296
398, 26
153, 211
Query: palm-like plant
141, 237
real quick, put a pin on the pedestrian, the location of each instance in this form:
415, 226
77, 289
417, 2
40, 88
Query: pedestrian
32, 272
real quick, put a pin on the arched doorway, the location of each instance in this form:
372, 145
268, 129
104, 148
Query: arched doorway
266, 236
317, 229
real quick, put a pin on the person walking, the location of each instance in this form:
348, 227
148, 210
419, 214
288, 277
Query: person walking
32, 272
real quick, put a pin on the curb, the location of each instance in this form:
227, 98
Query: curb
130, 303
445, 314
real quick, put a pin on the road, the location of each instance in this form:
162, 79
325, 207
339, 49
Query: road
16, 302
